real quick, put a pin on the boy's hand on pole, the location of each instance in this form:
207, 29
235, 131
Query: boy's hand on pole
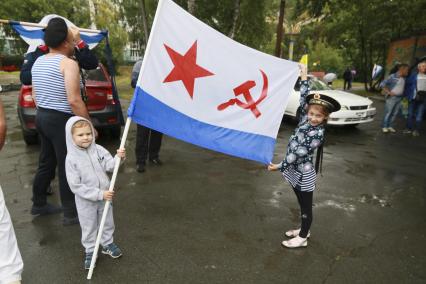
121, 153
108, 195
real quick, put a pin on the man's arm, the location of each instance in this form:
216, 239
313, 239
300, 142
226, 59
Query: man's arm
85, 57
72, 86
3, 127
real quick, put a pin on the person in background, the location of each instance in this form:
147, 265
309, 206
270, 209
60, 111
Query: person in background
347, 79
415, 91
56, 85
148, 141
393, 88
11, 264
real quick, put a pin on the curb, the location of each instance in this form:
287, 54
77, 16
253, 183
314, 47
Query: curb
10, 87
377, 98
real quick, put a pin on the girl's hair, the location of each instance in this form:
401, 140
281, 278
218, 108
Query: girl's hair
80, 124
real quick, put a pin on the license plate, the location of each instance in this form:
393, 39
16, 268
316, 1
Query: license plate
361, 114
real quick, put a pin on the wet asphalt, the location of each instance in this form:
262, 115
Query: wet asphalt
204, 217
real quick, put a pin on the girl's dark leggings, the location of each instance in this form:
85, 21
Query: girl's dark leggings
305, 202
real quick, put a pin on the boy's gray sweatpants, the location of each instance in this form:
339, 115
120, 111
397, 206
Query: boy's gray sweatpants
90, 216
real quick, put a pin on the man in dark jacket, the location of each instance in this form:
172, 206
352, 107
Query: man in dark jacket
85, 57
347, 78
148, 141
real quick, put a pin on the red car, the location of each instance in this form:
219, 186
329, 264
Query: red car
103, 109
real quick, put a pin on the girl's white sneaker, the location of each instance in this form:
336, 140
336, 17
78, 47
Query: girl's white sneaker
295, 233
296, 242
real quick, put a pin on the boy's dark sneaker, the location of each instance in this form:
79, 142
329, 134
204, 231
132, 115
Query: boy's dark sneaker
88, 260
113, 250
47, 209
68, 221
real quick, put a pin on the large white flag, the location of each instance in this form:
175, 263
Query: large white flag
200, 86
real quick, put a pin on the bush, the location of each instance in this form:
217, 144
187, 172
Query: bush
7, 61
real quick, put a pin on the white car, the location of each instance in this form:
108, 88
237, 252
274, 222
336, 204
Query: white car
354, 109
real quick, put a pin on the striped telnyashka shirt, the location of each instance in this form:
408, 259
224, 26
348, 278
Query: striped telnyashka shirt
49, 84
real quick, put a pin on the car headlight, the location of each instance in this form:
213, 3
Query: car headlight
344, 107
370, 106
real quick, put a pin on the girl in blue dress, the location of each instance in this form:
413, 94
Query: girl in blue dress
297, 167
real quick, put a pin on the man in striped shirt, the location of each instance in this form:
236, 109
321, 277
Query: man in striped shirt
56, 86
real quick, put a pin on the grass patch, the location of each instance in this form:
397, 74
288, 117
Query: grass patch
9, 77
125, 91
338, 84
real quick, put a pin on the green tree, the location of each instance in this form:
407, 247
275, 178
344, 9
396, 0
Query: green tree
34, 10
244, 19
363, 29
328, 59
107, 17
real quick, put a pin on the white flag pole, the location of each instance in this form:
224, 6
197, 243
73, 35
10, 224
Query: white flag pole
106, 208
28, 24
117, 161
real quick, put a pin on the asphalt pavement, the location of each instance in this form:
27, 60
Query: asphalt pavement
204, 217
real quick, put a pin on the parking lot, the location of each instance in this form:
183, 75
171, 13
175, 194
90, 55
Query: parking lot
204, 217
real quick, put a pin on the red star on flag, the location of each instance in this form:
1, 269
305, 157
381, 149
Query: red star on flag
186, 68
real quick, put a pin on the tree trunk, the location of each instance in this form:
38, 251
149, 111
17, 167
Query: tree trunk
191, 6
280, 29
370, 66
92, 14
235, 18
144, 22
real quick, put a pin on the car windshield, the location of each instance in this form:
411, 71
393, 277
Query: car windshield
94, 75
314, 83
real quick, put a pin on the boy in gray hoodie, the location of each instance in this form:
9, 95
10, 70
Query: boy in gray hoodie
86, 168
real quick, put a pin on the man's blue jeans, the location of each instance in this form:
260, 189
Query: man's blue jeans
392, 106
415, 114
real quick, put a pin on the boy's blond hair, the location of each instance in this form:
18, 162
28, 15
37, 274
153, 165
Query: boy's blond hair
80, 124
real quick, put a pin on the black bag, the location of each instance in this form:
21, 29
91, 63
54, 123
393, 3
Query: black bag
420, 96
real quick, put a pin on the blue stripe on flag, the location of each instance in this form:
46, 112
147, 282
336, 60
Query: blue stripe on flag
32, 34
93, 39
150, 112
39, 34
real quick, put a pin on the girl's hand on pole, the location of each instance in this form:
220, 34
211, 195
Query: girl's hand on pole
303, 72
121, 153
273, 167
108, 195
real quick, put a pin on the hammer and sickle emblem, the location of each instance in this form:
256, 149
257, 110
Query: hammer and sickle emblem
244, 89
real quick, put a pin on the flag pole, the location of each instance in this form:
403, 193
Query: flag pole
28, 24
107, 204
123, 141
